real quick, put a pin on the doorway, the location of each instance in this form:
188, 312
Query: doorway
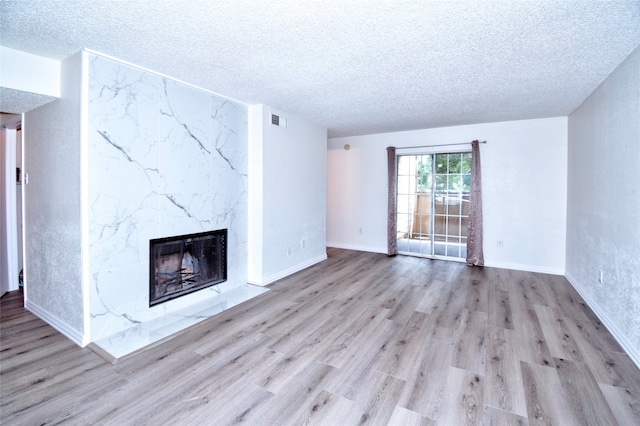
11, 202
433, 204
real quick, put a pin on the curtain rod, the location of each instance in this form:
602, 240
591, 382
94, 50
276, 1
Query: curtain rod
435, 146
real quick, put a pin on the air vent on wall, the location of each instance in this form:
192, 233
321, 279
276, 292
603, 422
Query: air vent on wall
276, 120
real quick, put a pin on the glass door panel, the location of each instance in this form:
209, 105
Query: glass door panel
432, 204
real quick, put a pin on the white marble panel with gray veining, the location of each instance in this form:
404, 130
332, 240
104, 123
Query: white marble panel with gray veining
164, 159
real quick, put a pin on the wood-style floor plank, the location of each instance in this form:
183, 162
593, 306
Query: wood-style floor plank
361, 338
546, 402
503, 380
358, 369
404, 417
530, 341
628, 370
558, 336
471, 342
597, 353
402, 355
527, 290
500, 313
424, 392
496, 417
329, 409
292, 401
477, 296
624, 403
237, 401
339, 351
378, 397
565, 298
585, 399
464, 402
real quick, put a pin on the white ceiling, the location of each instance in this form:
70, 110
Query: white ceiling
353, 67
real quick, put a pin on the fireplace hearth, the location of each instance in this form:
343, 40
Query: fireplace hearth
183, 264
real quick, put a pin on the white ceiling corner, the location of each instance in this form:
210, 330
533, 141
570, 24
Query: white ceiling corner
353, 67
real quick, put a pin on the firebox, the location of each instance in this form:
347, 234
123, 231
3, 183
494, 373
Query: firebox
186, 263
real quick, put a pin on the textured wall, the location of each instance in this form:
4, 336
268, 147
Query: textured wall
603, 218
523, 182
163, 159
52, 204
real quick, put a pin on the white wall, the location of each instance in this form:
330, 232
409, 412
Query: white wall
603, 218
53, 267
29, 73
287, 191
524, 189
256, 188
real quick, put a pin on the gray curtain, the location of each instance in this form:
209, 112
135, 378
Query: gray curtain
475, 255
392, 240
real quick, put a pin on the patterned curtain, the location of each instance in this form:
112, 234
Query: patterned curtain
475, 254
392, 233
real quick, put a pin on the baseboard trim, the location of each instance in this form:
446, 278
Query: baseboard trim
292, 270
527, 268
356, 247
503, 265
617, 334
54, 322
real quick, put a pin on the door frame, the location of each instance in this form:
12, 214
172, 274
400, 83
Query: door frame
10, 215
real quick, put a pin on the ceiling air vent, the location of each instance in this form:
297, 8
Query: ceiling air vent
276, 120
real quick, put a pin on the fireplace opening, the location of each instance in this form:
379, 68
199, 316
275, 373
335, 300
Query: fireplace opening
186, 263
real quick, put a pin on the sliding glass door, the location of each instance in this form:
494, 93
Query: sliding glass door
433, 204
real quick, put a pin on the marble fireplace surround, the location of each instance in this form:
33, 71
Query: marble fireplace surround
161, 158
146, 335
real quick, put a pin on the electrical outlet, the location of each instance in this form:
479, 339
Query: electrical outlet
360, 230
289, 251
601, 277
500, 243
302, 243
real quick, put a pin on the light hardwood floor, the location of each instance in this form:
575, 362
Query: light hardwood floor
358, 339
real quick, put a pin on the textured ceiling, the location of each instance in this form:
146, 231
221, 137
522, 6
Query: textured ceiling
353, 67
16, 101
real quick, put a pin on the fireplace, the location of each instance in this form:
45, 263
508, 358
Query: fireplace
186, 263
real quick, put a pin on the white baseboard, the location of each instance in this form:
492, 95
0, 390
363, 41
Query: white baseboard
527, 268
292, 270
54, 322
504, 265
355, 247
628, 347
